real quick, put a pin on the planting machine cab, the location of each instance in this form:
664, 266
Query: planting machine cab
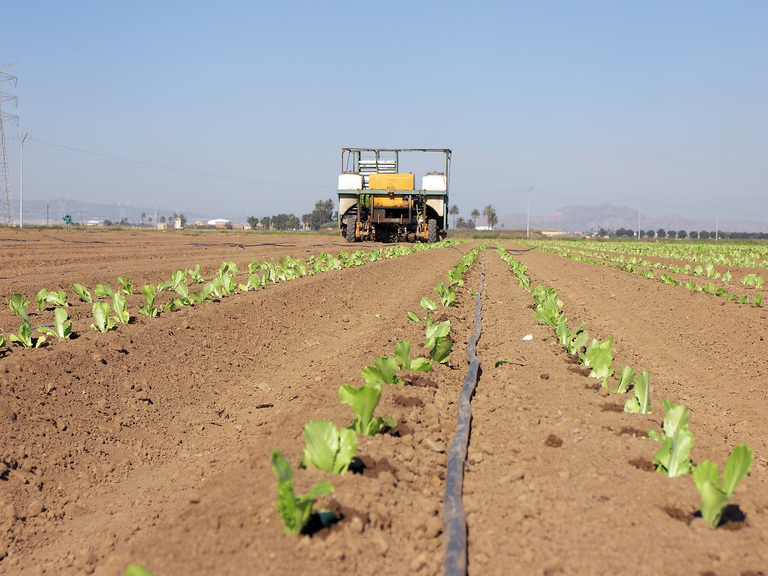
378, 202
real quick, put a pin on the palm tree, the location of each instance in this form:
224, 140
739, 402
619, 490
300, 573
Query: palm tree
328, 209
475, 215
489, 213
143, 215
454, 211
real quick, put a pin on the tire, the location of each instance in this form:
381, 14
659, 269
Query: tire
351, 225
432, 231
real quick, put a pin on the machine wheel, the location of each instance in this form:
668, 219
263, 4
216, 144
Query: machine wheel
432, 231
351, 225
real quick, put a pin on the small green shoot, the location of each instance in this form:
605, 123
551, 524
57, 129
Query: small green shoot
412, 317
148, 309
82, 293
120, 307
294, 510
327, 448
18, 306
384, 371
427, 304
24, 336
447, 295
626, 379
127, 285
134, 570
102, 321
62, 325
363, 401
103, 291
641, 402
714, 494
403, 356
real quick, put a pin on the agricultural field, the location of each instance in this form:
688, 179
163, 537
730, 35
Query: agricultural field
165, 440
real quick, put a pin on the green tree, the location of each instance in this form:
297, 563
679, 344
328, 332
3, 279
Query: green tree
253, 222
475, 214
489, 213
454, 211
266, 222
681, 234
660, 233
143, 215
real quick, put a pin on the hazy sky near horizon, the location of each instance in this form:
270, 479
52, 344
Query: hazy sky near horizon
242, 108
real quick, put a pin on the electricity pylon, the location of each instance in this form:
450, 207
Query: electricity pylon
5, 181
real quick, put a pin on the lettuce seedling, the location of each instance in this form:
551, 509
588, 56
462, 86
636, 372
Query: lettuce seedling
294, 510
24, 336
127, 285
427, 304
626, 379
403, 356
228, 284
134, 570
548, 306
708, 288
714, 494
102, 321
254, 283
42, 299
178, 278
103, 291
227, 267
384, 371
194, 275
120, 308
447, 295
149, 308
327, 448
412, 317
61, 323
758, 301
363, 401
641, 402
437, 342
82, 293
672, 458
690, 285
2, 341
454, 277
18, 306
599, 357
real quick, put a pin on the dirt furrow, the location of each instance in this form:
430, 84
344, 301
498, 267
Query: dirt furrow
151, 444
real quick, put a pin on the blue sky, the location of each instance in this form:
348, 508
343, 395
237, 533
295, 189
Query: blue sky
245, 106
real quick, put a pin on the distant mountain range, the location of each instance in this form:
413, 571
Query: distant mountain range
586, 218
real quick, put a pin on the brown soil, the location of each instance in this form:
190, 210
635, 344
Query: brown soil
150, 444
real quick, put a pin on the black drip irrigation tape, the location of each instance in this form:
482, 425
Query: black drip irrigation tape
454, 519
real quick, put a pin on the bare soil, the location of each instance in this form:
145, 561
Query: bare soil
150, 444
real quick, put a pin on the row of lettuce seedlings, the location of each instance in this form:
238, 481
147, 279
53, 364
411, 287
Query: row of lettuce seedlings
634, 266
331, 449
677, 440
260, 275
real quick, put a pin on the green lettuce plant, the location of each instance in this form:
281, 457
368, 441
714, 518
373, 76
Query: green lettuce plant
672, 458
403, 357
82, 293
384, 371
641, 402
148, 309
24, 336
716, 494
102, 321
127, 285
294, 509
327, 448
103, 291
56, 298
62, 325
120, 307
363, 401
18, 306
447, 295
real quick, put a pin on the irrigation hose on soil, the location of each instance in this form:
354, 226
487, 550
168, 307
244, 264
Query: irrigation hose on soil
454, 519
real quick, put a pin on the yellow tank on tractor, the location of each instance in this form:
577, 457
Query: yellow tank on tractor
379, 202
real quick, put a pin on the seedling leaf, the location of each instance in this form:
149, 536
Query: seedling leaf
327, 448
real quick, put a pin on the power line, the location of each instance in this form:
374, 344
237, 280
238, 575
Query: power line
5, 181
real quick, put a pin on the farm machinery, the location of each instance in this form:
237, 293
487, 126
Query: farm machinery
379, 202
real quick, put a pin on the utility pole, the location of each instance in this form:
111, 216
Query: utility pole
21, 138
639, 205
528, 219
717, 222
5, 181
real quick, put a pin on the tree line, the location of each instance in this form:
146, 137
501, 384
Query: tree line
321, 216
